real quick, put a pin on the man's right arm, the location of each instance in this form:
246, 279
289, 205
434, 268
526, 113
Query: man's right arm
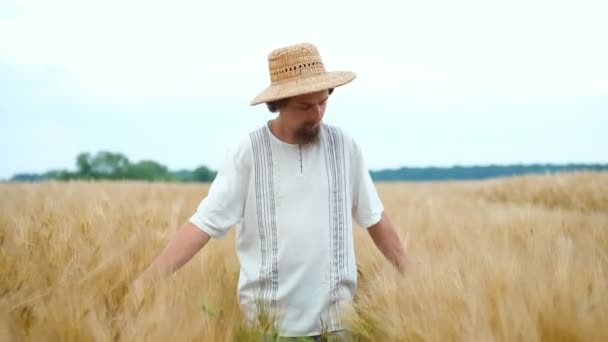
221, 209
188, 240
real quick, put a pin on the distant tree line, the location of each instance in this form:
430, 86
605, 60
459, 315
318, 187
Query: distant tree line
478, 172
116, 166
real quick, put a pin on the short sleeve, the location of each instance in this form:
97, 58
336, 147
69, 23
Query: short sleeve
224, 204
367, 206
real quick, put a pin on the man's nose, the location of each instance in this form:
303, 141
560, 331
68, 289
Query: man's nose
316, 113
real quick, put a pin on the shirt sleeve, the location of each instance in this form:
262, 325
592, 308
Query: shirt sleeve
367, 206
224, 204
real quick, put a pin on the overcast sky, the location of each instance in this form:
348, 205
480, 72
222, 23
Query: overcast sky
439, 82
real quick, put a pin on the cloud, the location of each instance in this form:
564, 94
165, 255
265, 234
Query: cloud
149, 69
134, 50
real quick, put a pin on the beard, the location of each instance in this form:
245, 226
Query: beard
307, 134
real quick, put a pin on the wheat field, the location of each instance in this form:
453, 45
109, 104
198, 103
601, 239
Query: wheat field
514, 259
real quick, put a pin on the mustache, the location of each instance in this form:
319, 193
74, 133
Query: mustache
309, 125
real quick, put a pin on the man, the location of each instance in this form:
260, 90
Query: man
292, 188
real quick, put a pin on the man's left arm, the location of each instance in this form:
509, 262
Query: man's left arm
388, 242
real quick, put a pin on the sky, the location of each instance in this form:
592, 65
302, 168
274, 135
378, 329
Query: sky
439, 83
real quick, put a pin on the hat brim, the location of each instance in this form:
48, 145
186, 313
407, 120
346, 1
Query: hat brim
303, 86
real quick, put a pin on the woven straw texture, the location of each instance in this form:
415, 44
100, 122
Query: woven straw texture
298, 69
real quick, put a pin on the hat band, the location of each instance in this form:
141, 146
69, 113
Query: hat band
311, 68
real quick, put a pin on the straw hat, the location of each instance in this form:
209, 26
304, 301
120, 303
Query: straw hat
296, 70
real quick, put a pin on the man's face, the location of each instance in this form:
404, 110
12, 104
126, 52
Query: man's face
303, 115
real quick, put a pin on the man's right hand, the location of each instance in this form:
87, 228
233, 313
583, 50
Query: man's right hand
137, 291
188, 240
